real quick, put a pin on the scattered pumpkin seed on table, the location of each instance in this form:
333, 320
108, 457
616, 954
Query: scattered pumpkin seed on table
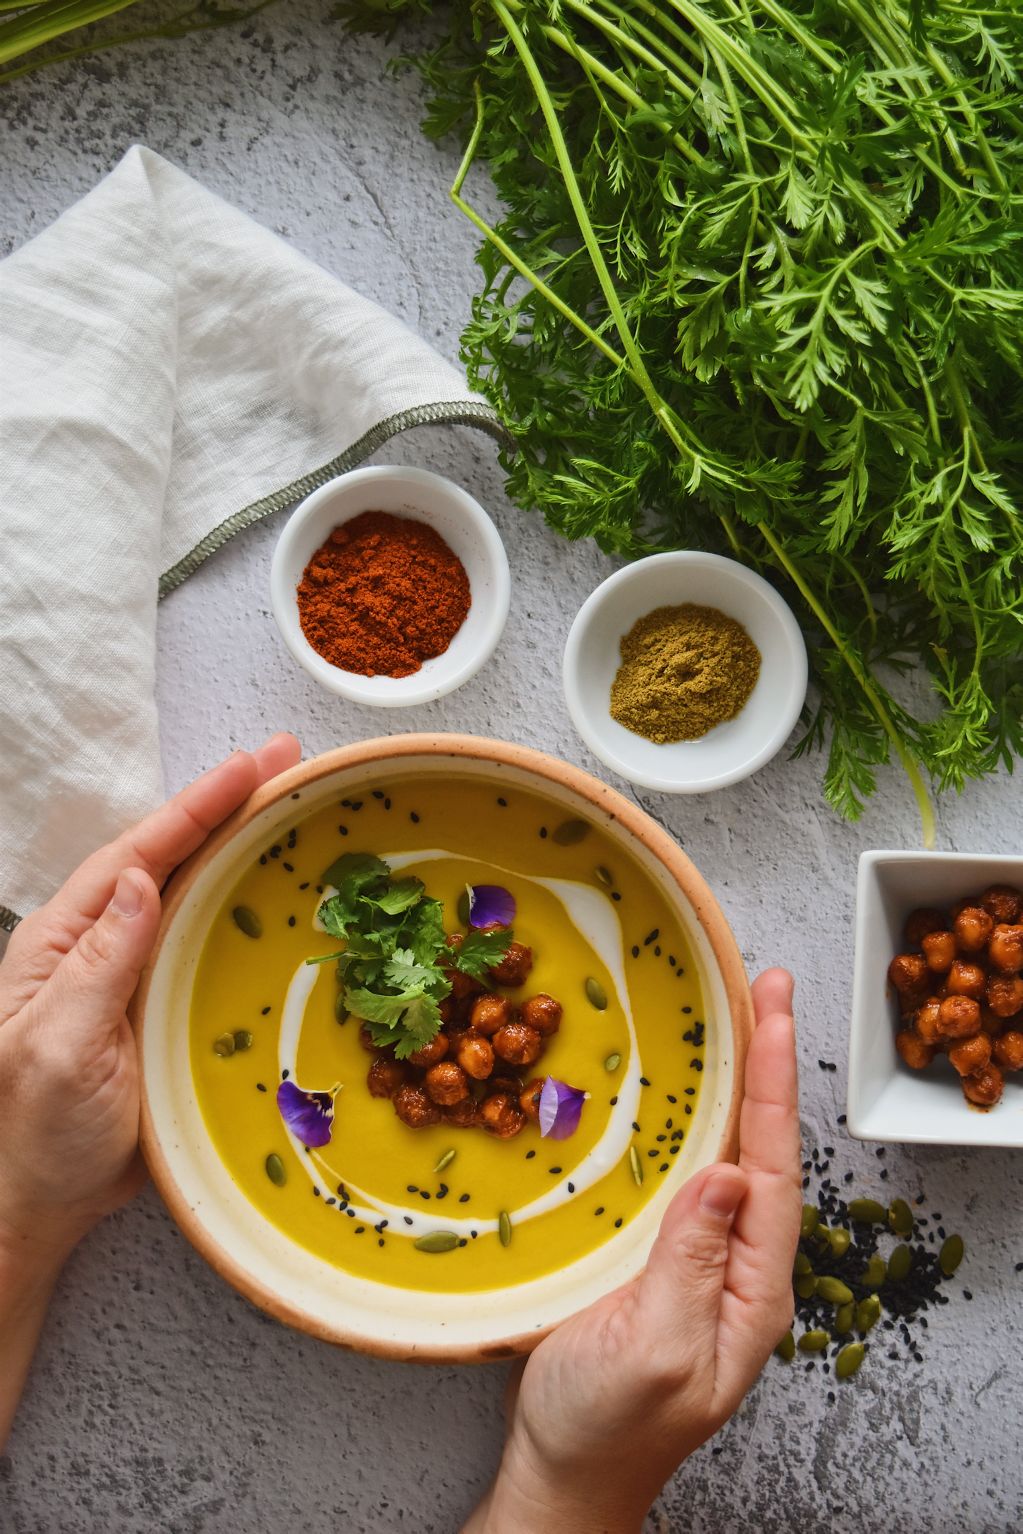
849, 1360
786, 1348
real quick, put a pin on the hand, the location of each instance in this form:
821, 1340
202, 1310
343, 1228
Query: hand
68, 1071
613, 1401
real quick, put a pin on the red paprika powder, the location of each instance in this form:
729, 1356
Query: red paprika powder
382, 595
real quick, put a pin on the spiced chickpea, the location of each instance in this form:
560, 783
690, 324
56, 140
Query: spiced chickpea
913, 1050
939, 951
463, 1115
919, 923
1005, 995
1003, 902
414, 1108
908, 973
1005, 950
514, 968
385, 1076
501, 1115
543, 1013
529, 1099
970, 1055
966, 979
989, 1023
927, 1021
518, 1044
430, 1053
1008, 1050
959, 1016
475, 1055
972, 928
446, 1083
985, 1087
489, 1013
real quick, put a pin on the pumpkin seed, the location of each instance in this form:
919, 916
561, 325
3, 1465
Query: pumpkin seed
242, 1039
569, 832
275, 1169
801, 1264
834, 1292
951, 1255
445, 1160
900, 1217
612, 1062
786, 1348
899, 1263
868, 1313
596, 994
246, 920
813, 1342
504, 1228
604, 875
463, 908
223, 1045
436, 1241
875, 1273
839, 1239
844, 1318
637, 1166
810, 1220
868, 1211
805, 1286
849, 1360
341, 1012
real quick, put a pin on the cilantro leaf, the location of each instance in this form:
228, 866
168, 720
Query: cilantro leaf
354, 871
399, 896
373, 1007
479, 950
420, 1023
404, 971
427, 937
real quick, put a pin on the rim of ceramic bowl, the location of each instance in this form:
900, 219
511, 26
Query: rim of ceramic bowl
796, 673
538, 764
434, 679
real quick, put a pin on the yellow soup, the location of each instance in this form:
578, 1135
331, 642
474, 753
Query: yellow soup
589, 913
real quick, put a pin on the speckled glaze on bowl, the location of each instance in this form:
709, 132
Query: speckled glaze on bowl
266, 1265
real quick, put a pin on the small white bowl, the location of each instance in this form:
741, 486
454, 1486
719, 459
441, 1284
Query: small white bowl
888, 1101
423, 497
731, 750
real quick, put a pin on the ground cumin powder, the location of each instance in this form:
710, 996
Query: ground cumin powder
684, 669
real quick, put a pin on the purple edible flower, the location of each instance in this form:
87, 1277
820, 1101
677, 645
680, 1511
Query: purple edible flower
560, 1108
490, 905
309, 1115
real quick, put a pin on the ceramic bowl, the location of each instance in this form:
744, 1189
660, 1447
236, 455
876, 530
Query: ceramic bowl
732, 750
888, 1101
464, 526
263, 1263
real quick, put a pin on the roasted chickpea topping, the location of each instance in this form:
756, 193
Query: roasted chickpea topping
514, 967
529, 1100
446, 1083
939, 951
913, 1050
414, 1108
927, 1021
518, 1044
908, 973
463, 1115
475, 1055
1005, 995
501, 1115
1008, 1050
1005, 949
430, 1053
985, 1088
966, 979
385, 1076
1003, 902
489, 1013
959, 1016
919, 923
971, 1055
543, 1013
972, 928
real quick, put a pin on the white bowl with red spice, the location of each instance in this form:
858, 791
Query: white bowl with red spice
725, 594
390, 586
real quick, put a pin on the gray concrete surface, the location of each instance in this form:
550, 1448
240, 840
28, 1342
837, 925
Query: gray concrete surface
160, 1400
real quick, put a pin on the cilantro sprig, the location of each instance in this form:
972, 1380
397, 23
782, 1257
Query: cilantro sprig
392, 968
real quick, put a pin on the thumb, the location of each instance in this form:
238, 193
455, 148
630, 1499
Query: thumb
94, 981
682, 1286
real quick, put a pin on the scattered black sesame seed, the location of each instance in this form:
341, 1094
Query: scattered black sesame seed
643, 1081
463, 1198
657, 950
651, 937
530, 1154
262, 858
653, 1153
411, 1188
260, 1087
690, 1091
462, 1241
285, 1075
967, 1294
342, 830
618, 1223
554, 1170
673, 1150
387, 804
599, 1210
671, 1099
413, 817
543, 833
291, 921
423, 1193
316, 1191
359, 1229
289, 866
296, 796
663, 1167
696, 1064
687, 1108
378, 793
502, 802
635, 1126
615, 895
381, 1241
304, 886
879, 1153
408, 1219
635, 950
330, 1200
571, 1187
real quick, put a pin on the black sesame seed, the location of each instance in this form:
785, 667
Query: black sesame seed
463, 1198
967, 1294
879, 1153
652, 1154
285, 1075
657, 950
635, 950
688, 1109
618, 1223
378, 793
643, 1081
599, 1209
697, 1065
316, 1191
262, 858
673, 1150
387, 804
380, 1241
413, 817
671, 960
554, 1170
530, 1154
260, 1087
289, 866
462, 1241
543, 833
330, 1200
342, 830
687, 1010
651, 937
411, 1188
635, 1126
359, 1229
615, 895
276, 850
663, 1167
502, 802
571, 1187
296, 796
423, 1193
841, 1119
291, 921
613, 1101
690, 1091
671, 1099
408, 1219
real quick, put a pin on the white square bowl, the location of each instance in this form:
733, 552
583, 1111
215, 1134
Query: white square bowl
888, 1101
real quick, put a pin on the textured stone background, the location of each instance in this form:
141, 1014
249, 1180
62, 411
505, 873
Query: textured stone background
161, 1401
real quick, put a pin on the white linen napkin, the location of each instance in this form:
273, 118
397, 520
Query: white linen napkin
169, 372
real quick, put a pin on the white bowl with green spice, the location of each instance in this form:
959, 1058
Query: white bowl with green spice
703, 621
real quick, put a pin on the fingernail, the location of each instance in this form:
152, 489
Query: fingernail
128, 896
722, 1195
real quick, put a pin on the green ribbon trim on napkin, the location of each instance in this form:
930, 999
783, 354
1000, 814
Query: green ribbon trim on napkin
452, 413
